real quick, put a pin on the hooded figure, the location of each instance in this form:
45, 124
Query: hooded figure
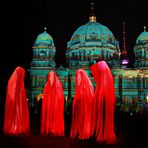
105, 102
82, 106
52, 114
16, 117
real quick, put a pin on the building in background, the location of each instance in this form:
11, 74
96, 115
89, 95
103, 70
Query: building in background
89, 43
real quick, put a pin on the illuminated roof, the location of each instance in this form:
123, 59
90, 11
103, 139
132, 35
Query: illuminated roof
92, 32
44, 38
142, 38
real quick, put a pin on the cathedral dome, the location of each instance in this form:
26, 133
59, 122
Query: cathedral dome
140, 50
45, 39
92, 32
142, 38
90, 42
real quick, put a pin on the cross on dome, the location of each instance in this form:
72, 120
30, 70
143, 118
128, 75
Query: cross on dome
144, 28
45, 29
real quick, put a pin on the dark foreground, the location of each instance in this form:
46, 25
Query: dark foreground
131, 129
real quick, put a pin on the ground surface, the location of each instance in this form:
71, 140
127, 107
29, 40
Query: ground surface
131, 129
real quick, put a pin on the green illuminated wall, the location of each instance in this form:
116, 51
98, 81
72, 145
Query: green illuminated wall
88, 43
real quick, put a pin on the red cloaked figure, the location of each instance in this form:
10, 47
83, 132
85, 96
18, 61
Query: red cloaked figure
82, 106
16, 117
52, 114
105, 103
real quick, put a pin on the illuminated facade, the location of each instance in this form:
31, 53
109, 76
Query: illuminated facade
90, 42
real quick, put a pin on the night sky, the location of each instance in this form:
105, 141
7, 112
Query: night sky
24, 20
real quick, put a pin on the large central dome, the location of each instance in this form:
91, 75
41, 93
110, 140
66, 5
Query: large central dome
90, 42
92, 31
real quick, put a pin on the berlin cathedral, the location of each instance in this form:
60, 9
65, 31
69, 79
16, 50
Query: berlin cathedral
90, 42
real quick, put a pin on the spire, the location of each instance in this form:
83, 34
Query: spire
92, 17
92, 8
144, 28
124, 44
124, 51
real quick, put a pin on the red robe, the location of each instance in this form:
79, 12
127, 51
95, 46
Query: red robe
16, 117
82, 106
105, 102
52, 115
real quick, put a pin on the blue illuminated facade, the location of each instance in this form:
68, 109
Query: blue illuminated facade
90, 42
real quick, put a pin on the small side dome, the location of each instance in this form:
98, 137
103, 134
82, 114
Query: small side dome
45, 39
142, 38
140, 50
